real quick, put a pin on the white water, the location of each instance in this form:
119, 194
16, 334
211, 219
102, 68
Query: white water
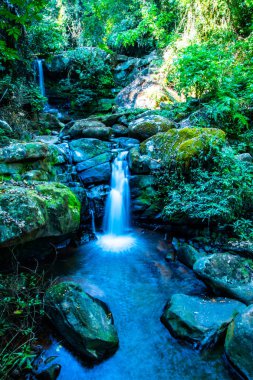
41, 77
47, 108
117, 212
93, 225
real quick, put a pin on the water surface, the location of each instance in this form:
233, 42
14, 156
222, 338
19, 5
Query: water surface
136, 285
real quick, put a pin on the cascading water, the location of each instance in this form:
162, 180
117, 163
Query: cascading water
41, 77
117, 212
47, 107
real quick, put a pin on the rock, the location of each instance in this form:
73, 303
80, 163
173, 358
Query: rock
243, 248
141, 164
148, 126
89, 129
85, 322
95, 161
47, 139
119, 130
145, 92
5, 129
245, 157
97, 196
28, 213
85, 149
188, 255
201, 321
183, 145
126, 142
143, 194
50, 121
97, 174
227, 274
24, 152
50, 373
238, 344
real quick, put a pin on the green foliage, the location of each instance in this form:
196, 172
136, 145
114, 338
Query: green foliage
218, 192
22, 309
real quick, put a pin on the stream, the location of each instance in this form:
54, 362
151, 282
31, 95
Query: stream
136, 284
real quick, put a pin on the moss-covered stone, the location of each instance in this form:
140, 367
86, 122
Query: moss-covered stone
148, 126
85, 322
28, 213
182, 145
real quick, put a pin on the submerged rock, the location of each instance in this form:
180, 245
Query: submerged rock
148, 126
85, 322
28, 213
227, 274
198, 320
238, 344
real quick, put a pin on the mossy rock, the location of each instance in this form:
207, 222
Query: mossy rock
148, 126
28, 213
182, 145
85, 322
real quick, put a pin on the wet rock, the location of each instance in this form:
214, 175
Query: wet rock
148, 126
85, 322
95, 161
119, 130
188, 255
85, 149
181, 145
126, 142
143, 194
50, 373
238, 344
89, 129
141, 164
245, 157
227, 274
201, 321
28, 213
243, 248
97, 174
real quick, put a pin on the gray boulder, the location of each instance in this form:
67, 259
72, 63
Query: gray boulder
201, 321
89, 129
238, 344
227, 274
85, 149
85, 322
148, 126
97, 174
188, 255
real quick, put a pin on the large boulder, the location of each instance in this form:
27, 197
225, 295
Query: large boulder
148, 126
85, 322
188, 255
227, 274
198, 320
89, 129
182, 145
41, 160
144, 92
238, 344
43, 210
88, 148
97, 174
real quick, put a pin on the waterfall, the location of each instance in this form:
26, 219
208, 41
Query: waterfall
116, 221
117, 211
41, 77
